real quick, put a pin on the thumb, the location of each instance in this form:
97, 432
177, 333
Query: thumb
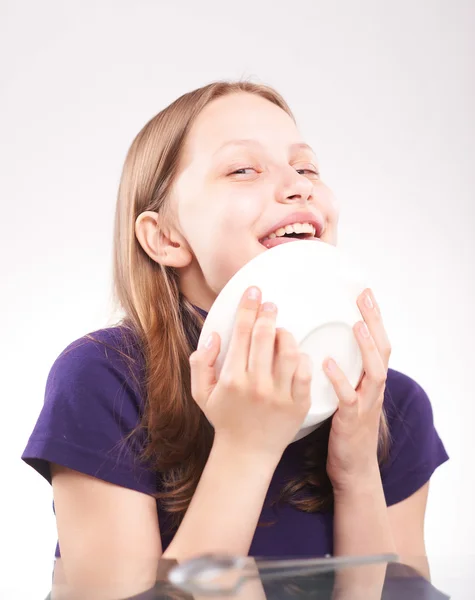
347, 396
302, 381
203, 373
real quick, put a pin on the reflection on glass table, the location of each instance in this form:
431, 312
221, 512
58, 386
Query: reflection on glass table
384, 577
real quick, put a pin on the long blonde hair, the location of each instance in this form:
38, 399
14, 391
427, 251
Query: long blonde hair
178, 436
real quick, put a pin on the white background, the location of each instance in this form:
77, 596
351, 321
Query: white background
383, 90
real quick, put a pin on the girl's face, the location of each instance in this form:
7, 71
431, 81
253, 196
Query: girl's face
244, 169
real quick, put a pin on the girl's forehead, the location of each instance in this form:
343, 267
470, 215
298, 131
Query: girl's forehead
239, 117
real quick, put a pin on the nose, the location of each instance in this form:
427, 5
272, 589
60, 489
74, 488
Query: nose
295, 188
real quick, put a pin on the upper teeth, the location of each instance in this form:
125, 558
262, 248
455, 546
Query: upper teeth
294, 228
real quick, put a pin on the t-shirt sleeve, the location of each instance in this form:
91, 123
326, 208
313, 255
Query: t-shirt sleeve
416, 449
91, 405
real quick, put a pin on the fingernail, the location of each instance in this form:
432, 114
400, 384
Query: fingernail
331, 365
253, 293
368, 302
209, 342
364, 330
269, 307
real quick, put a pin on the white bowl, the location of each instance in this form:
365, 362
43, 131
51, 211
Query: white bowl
315, 287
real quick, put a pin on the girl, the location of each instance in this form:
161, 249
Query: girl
124, 435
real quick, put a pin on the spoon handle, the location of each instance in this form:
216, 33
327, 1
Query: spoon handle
333, 562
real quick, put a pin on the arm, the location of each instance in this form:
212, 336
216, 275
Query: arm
256, 407
361, 522
110, 536
364, 525
225, 509
407, 524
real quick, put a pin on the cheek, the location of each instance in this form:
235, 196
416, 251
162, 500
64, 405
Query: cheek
234, 242
221, 224
329, 202
235, 213
242, 207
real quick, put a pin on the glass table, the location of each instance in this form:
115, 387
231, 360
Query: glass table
385, 577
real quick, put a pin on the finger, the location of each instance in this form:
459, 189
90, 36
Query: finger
302, 381
261, 352
202, 368
347, 396
286, 359
372, 315
246, 314
373, 382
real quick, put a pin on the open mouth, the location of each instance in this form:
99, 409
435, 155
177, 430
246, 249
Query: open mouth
290, 233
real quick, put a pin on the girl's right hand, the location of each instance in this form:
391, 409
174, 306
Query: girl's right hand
262, 395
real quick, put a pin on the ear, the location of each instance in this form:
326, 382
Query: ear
162, 243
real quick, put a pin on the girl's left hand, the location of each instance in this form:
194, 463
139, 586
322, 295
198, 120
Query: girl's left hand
353, 444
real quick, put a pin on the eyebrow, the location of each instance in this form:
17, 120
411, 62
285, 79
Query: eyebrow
244, 142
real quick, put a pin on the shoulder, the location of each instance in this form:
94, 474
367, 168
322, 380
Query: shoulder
104, 355
415, 448
113, 343
404, 396
92, 410
99, 379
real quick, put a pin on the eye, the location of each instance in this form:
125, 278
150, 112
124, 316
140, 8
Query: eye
241, 171
312, 172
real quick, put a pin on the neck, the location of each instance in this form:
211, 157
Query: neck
195, 288
202, 311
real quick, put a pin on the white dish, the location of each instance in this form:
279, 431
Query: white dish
315, 287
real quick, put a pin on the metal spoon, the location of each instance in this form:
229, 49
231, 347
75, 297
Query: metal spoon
202, 573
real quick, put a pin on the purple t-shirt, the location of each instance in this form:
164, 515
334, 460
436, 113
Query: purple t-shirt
93, 400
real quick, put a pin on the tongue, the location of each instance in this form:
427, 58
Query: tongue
280, 240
